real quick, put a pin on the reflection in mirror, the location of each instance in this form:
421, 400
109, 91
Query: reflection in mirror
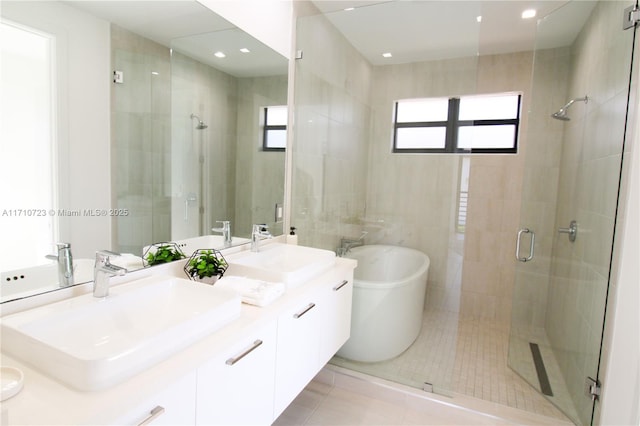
186, 145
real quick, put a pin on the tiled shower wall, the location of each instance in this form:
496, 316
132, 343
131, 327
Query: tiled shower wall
495, 188
409, 200
141, 134
540, 187
199, 89
414, 196
259, 180
589, 173
158, 145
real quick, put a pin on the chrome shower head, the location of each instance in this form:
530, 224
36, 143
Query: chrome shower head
561, 114
200, 124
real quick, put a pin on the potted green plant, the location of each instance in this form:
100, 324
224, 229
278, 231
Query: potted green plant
160, 253
206, 266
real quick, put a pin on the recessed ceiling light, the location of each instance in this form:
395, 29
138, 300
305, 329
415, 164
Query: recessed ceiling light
219, 55
387, 55
245, 50
349, 9
528, 14
479, 18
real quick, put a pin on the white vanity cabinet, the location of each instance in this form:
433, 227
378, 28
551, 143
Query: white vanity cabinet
174, 405
237, 387
310, 333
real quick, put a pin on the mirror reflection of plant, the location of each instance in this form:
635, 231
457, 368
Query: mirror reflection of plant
206, 263
165, 253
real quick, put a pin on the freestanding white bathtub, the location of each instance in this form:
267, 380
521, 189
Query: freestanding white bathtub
388, 299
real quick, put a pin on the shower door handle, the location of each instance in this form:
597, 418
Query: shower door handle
190, 198
531, 246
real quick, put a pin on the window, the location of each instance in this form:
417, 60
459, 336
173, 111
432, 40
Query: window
275, 128
28, 113
468, 124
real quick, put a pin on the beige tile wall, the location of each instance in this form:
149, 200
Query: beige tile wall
589, 173
141, 134
416, 195
495, 186
157, 145
259, 175
540, 182
197, 88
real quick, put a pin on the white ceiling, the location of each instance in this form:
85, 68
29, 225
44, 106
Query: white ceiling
189, 27
412, 30
429, 29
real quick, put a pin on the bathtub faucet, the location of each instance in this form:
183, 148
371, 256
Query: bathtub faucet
346, 244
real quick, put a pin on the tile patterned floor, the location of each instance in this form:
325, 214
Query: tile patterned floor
461, 357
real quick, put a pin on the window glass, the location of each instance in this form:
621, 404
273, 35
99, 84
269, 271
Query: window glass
277, 116
483, 137
421, 110
492, 107
277, 139
480, 123
420, 137
27, 131
275, 128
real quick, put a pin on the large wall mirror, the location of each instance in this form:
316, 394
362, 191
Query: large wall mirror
128, 124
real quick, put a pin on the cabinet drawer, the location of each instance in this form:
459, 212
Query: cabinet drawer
336, 323
298, 349
175, 405
237, 386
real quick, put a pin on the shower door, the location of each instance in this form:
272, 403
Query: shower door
569, 203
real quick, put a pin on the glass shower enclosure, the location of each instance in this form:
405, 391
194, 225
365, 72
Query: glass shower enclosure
569, 204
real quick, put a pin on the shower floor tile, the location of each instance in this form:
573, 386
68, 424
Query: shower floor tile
459, 356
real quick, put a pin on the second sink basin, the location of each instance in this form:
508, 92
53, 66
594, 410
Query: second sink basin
91, 343
290, 264
189, 245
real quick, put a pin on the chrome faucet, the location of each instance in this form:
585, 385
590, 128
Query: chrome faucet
259, 232
225, 229
346, 244
102, 271
65, 264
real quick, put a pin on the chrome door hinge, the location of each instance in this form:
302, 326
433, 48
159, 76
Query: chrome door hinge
630, 17
592, 388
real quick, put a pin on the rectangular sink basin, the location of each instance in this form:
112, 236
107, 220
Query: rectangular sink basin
290, 264
90, 343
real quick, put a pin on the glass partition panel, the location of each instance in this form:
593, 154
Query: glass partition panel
350, 189
571, 173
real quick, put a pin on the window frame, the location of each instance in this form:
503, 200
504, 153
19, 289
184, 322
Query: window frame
452, 125
266, 128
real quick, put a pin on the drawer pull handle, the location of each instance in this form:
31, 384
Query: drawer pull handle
246, 352
304, 311
153, 414
339, 286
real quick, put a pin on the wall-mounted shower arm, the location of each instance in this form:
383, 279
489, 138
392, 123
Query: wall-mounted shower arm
561, 114
200, 124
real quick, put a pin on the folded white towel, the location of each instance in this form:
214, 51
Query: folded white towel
253, 292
